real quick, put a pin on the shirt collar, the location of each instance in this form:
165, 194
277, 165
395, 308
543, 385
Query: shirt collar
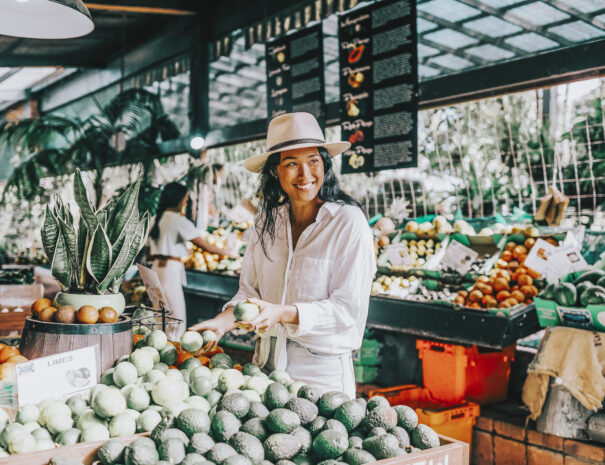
328, 208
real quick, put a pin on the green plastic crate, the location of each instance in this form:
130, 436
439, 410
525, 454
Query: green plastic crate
365, 373
369, 353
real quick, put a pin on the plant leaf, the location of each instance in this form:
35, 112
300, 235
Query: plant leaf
139, 239
117, 269
49, 233
60, 264
81, 198
126, 206
98, 258
71, 247
83, 243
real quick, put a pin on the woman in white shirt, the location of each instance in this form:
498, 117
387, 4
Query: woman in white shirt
168, 245
310, 263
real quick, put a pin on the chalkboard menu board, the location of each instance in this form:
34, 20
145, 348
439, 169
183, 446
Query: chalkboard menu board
295, 74
379, 86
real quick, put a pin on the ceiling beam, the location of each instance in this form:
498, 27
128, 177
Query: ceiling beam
503, 13
157, 7
588, 18
472, 33
459, 52
66, 61
542, 70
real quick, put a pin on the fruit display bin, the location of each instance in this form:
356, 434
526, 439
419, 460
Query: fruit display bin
450, 452
478, 376
454, 421
207, 292
84, 452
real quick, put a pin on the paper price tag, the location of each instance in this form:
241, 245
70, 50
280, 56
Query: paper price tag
554, 262
459, 257
154, 288
58, 376
397, 254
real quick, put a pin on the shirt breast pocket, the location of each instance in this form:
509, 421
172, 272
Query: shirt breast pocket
313, 279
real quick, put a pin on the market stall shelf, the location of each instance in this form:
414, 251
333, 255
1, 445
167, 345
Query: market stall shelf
451, 452
42, 338
85, 452
428, 320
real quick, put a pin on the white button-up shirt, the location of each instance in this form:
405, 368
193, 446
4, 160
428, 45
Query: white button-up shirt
328, 277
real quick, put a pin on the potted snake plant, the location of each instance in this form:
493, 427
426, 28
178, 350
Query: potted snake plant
90, 256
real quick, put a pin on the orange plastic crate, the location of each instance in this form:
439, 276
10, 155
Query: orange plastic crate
453, 373
454, 421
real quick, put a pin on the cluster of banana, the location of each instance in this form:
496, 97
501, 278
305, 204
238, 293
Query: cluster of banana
393, 285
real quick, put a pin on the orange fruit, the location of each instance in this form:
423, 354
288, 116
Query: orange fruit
137, 337
108, 315
2, 346
8, 352
8, 371
47, 314
237, 367
205, 360
88, 315
212, 353
40, 305
182, 355
16, 359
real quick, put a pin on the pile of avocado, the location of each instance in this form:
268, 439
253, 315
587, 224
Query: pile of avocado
587, 289
286, 428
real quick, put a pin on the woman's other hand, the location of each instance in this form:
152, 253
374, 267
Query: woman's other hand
271, 314
221, 324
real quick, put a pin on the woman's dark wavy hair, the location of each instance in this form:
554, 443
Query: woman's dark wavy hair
172, 195
272, 196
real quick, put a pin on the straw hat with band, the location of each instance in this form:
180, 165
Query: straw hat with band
293, 131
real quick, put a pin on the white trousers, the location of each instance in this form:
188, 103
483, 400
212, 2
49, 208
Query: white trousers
172, 277
327, 372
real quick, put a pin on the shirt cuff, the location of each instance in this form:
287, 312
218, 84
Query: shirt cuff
306, 314
232, 303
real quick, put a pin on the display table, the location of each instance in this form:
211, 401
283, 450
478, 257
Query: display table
206, 293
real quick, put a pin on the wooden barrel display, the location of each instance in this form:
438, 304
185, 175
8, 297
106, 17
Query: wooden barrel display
41, 338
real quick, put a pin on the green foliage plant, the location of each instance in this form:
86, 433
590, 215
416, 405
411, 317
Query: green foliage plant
94, 255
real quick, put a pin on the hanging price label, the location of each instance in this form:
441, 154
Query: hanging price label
397, 254
459, 257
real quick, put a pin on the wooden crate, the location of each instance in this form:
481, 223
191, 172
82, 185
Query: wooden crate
86, 452
14, 296
451, 452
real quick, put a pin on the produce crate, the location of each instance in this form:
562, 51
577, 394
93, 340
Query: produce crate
454, 421
453, 373
85, 452
15, 303
450, 452
550, 313
365, 373
369, 353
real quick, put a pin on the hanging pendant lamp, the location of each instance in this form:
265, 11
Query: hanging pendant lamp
45, 19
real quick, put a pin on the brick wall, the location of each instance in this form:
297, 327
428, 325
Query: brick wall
505, 441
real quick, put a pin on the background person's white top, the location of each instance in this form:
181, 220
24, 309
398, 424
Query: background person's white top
328, 277
175, 231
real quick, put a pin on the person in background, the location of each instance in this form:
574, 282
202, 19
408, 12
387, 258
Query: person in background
168, 245
212, 176
309, 264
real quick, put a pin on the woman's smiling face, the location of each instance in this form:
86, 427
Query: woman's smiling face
301, 174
